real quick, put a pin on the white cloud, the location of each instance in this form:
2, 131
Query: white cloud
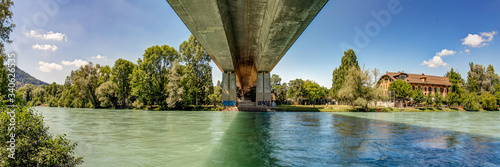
47, 36
435, 62
45, 47
476, 41
76, 63
467, 51
47, 67
445, 52
105, 58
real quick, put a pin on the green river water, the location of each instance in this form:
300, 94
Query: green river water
108, 137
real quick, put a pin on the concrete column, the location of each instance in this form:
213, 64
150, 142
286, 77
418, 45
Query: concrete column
263, 91
229, 89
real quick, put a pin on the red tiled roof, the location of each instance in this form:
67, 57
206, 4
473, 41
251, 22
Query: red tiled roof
416, 78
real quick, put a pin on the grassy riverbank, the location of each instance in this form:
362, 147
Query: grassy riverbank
346, 108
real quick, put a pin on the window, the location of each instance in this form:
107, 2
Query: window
403, 77
425, 89
413, 87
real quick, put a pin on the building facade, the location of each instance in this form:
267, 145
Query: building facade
427, 83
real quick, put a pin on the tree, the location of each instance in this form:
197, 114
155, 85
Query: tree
401, 88
358, 88
497, 95
278, 89
106, 93
199, 72
34, 145
456, 91
295, 89
481, 79
429, 100
6, 27
275, 82
438, 99
86, 80
104, 74
121, 75
174, 89
140, 88
216, 97
471, 102
312, 91
153, 71
348, 60
418, 96
489, 102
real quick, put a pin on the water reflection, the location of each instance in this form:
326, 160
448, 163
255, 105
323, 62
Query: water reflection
323, 139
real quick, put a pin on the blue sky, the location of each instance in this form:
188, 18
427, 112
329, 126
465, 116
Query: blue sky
53, 37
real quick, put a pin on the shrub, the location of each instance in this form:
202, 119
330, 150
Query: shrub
471, 102
34, 146
489, 102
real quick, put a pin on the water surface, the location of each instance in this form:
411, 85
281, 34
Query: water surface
205, 138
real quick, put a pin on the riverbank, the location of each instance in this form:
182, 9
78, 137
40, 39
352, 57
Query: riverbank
346, 108
307, 108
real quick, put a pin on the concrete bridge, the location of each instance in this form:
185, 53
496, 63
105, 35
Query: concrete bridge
246, 38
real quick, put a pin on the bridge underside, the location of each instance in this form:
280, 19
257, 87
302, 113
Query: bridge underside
247, 37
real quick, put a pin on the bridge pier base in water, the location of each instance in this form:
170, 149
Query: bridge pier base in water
228, 88
263, 90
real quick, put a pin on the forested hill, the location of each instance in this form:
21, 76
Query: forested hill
23, 78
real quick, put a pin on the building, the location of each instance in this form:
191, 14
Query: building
427, 83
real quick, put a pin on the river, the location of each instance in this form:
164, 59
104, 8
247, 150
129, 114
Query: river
108, 137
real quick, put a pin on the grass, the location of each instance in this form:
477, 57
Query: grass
346, 108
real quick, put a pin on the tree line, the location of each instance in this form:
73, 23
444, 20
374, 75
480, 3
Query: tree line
163, 78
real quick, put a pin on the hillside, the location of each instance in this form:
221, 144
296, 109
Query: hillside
23, 78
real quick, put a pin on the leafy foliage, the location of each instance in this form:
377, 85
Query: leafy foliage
348, 60
401, 88
489, 102
34, 146
471, 102
418, 96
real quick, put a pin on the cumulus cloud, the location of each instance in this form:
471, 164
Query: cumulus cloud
48, 67
105, 58
76, 63
45, 47
47, 36
445, 52
478, 40
435, 62
467, 51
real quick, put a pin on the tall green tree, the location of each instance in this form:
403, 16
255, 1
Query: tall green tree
348, 60
401, 88
358, 88
174, 87
456, 92
106, 94
6, 27
296, 89
122, 75
153, 71
418, 96
278, 89
86, 80
199, 72
312, 91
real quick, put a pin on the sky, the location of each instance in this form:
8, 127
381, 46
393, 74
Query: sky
53, 37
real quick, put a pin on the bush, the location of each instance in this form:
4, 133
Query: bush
34, 146
471, 102
489, 102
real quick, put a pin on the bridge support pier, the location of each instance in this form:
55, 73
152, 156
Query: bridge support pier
228, 88
263, 91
